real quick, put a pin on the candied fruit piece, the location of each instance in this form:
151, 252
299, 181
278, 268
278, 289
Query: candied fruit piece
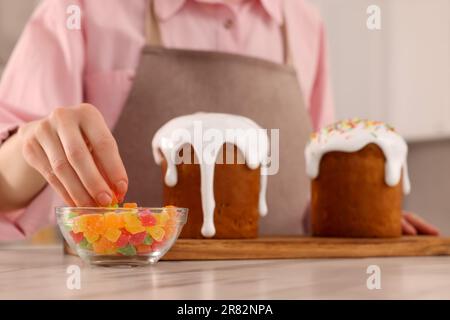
138, 238
147, 219
148, 240
84, 244
79, 224
125, 232
95, 223
133, 229
123, 239
114, 220
103, 246
156, 245
156, 232
130, 205
132, 223
77, 237
114, 201
112, 234
171, 211
72, 215
173, 214
142, 248
90, 236
128, 250
131, 218
170, 230
161, 218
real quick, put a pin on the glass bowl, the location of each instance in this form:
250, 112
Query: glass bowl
121, 236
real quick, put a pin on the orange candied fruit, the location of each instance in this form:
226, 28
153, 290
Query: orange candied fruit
114, 201
172, 212
114, 220
95, 223
103, 246
130, 205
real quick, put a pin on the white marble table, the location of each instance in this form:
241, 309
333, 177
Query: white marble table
40, 272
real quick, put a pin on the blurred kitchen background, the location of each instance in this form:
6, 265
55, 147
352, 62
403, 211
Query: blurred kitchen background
399, 74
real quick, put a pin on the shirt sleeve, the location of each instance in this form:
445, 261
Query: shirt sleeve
44, 71
321, 100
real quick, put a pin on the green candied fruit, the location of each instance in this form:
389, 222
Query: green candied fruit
69, 220
72, 215
148, 240
84, 244
129, 250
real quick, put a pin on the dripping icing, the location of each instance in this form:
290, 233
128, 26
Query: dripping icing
353, 135
255, 154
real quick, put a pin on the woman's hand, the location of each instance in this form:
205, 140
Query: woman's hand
412, 224
74, 150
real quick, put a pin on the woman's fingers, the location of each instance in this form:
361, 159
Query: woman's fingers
35, 156
61, 166
77, 154
81, 160
421, 226
104, 148
407, 228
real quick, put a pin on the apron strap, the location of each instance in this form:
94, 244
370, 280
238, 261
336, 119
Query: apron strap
287, 51
153, 34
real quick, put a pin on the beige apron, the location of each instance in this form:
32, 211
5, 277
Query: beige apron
173, 82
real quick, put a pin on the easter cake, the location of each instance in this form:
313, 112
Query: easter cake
222, 183
358, 174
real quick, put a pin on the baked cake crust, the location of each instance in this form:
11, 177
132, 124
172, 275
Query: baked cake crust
236, 192
351, 199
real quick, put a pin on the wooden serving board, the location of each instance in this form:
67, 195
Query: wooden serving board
306, 247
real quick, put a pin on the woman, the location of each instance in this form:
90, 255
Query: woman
55, 146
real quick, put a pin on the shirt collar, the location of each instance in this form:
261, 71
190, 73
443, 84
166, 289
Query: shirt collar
275, 9
165, 9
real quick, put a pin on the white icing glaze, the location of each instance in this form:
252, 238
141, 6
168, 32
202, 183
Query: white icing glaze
190, 130
353, 135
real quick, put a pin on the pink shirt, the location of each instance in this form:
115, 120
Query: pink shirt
53, 66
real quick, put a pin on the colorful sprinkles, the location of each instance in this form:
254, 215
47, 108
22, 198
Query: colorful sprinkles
346, 126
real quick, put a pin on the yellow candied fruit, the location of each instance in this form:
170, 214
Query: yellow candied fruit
133, 223
91, 237
112, 234
79, 224
133, 229
161, 218
156, 232
131, 219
